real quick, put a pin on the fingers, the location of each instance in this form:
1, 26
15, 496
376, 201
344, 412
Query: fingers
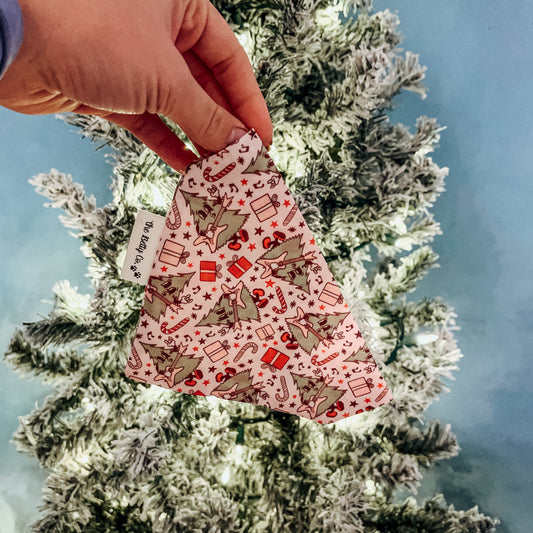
222, 53
155, 134
183, 100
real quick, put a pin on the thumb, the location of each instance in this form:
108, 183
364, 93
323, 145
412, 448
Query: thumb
185, 102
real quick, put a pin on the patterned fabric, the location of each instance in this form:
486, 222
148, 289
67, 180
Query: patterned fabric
241, 304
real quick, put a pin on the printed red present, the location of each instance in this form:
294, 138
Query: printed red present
215, 351
265, 333
275, 358
208, 270
171, 253
331, 294
264, 208
359, 387
239, 267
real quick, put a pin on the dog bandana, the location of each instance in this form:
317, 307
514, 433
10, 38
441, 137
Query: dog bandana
240, 303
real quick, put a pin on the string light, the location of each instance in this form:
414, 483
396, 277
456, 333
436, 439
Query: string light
426, 338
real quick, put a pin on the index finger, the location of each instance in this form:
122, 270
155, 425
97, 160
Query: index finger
222, 53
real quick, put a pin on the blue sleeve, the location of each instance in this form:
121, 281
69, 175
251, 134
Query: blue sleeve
11, 28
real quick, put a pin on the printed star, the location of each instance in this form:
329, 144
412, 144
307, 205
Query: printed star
197, 332
286, 203
292, 229
322, 307
353, 404
244, 181
248, 193
367, 400
211, 369
250, 361
259, 230
311, 241
359, 335
190, 265
148, 373
172, 235
347, 375
274, 224
236, 345
251, 246
345, 415
225, 363
206, 382
253, 278
270, 283
241, 202
302, 224
195, 349
187, 235
164, 269
292, 405
207, 296
344, 367
270, 296
202, 341
144, 323
188, 223
380, 385
214, 289
199, 252
341, 381
222, 256
260, 374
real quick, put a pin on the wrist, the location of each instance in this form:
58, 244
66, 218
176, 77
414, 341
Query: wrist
11, 32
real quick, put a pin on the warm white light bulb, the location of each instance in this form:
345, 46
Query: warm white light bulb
426, 338
225, 476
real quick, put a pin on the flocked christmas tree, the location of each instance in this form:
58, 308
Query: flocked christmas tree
130, 457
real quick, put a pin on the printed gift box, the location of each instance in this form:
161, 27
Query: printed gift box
331, 294
215, 351
275, 358
264, 207
171, 253
239, 267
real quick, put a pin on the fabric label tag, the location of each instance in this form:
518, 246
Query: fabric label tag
142, 247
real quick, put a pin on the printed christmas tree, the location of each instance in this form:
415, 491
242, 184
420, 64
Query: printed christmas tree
215, 222
239, 387
261, 164
288, 261
311, 329
172, 364
163, 292
317, 395
363, 354
234, 306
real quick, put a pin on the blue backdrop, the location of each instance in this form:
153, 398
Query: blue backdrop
479, 58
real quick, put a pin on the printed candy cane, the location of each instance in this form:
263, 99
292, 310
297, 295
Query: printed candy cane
382, 394
251, 345
281, 298
138, 363
177, 218
285, 396
218, 175
173, 328
316, 362
291, 214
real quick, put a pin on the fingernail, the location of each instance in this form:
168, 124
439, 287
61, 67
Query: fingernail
236, 134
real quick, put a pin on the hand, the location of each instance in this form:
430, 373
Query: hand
130, 60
